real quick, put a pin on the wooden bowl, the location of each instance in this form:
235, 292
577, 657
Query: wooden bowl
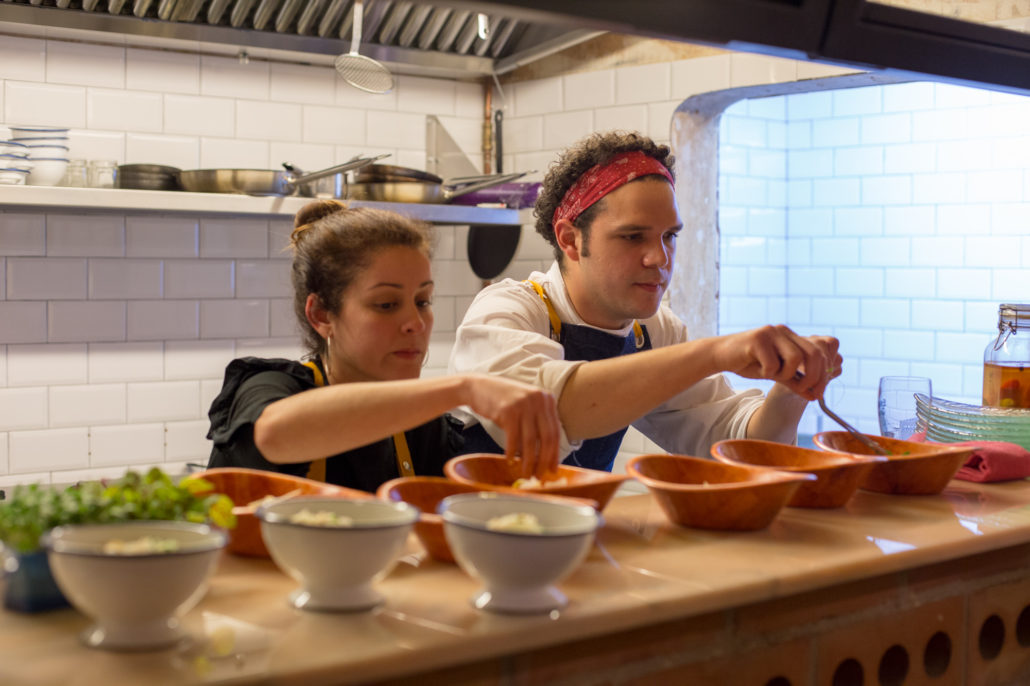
245, 486
707, 494
494, 471
425, 493
911, 468
837, 474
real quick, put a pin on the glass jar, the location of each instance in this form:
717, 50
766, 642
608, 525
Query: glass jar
75, 174
101, 173
1007, 359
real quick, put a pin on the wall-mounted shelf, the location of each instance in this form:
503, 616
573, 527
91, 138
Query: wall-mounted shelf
48, 198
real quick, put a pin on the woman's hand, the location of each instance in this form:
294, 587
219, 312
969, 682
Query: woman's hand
803, 364
528, 416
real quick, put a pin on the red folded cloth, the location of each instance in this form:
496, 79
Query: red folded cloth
991, 461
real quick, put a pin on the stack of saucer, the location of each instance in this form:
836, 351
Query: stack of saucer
48, 151
14, 163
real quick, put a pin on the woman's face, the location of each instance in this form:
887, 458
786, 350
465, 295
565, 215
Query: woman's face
381, 332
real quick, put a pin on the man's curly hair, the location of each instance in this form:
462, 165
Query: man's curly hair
598, 148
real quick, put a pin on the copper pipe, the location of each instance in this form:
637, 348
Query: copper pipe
488, 126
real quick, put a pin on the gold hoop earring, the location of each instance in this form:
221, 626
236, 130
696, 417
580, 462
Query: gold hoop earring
325, 359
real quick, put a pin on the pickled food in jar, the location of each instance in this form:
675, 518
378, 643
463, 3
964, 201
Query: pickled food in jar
1006, 385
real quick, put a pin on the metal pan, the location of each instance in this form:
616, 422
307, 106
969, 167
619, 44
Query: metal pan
389, 172
423, 191
262, 181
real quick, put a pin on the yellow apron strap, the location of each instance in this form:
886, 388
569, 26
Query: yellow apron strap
400, 444
555, 319
638, 332
317, 469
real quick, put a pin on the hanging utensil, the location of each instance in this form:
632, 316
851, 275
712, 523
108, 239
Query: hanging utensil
359, 71
491, 249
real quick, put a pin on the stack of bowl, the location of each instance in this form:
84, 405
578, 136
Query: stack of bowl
148, 177
14, 163
48, 151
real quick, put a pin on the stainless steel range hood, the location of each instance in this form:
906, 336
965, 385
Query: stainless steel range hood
409, 37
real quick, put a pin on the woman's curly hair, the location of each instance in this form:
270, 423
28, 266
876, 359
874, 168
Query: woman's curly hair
598, 148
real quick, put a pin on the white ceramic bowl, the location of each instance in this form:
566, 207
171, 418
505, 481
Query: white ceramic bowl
13, 176
519, 571
29, 131
48, 151
135, 600
47, 172
13, 148
336, 566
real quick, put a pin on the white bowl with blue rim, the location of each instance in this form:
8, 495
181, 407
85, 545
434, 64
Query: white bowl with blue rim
134, 579
13, 176
519, 567
14, 148
47, 151
38, 131
337, 549
47, 171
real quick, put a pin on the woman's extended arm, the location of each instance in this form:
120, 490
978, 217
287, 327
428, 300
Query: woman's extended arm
333, 419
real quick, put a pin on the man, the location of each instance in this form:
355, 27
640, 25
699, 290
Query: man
593, 331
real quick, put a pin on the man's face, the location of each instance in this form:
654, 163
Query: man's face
623, 271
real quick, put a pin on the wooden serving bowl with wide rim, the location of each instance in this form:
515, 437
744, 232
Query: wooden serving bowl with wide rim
706, 494
837, 474
426, 493
910, 469
246, 486
492, 471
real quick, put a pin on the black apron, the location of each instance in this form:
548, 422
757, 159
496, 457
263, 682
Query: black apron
580, 343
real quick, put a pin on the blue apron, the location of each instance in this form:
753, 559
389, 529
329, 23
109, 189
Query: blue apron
580, 343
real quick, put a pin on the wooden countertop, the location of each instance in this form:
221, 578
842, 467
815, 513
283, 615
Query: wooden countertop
641, 572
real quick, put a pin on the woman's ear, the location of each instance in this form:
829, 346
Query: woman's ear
568, 237
317, 315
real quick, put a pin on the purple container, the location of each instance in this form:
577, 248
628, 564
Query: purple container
513, 195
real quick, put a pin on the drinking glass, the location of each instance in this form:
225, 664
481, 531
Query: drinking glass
896, 404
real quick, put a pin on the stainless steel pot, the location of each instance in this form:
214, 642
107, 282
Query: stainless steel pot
425, 191
263, 181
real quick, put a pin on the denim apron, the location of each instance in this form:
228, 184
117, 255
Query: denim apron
580, 343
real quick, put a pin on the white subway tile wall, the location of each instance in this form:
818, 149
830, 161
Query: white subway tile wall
198, 291
907, 215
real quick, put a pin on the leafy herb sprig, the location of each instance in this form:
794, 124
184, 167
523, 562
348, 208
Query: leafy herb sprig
31, 511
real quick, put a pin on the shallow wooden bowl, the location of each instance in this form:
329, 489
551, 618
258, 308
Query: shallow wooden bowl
425, 493
707, 494
911, 468
837, 475
493, 471
244, 486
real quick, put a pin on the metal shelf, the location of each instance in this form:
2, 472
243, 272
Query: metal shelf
93, 200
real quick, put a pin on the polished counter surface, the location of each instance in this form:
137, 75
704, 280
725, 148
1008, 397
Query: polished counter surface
642, 572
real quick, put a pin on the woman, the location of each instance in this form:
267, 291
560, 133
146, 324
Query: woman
356, 414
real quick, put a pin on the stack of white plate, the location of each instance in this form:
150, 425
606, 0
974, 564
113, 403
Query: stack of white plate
947, 421
48, 151
14, 163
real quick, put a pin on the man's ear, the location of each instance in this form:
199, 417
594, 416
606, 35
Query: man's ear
317, 315
569, 239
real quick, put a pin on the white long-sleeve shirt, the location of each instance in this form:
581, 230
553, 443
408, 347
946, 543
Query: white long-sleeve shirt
506, 331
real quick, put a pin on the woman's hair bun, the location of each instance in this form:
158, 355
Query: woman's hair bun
317, 209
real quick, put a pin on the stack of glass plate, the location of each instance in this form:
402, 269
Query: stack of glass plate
947, 421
